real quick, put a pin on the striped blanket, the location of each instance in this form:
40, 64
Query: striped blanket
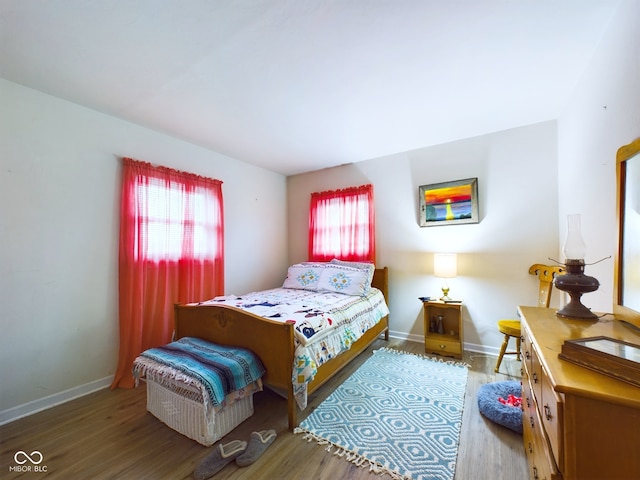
216, 369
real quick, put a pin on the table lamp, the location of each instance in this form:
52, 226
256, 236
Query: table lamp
445, 265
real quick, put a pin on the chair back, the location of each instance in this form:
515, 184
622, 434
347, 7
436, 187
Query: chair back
546, 274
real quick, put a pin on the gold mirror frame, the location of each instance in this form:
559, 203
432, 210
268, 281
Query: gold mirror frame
624, 155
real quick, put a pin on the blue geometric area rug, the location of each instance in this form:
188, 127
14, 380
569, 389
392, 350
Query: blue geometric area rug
399, 413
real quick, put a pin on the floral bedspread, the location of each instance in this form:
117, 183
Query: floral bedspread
325, 323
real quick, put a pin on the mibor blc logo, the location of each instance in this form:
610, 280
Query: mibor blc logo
26, 462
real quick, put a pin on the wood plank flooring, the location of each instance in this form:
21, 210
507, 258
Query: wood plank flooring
109, 435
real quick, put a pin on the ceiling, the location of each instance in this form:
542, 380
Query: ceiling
299, 85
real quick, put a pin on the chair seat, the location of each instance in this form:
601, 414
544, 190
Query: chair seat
509, 327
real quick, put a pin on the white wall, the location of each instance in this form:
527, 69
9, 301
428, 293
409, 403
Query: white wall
516, 172
602, 115
59, 201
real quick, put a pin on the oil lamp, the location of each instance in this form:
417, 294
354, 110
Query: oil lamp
574, 281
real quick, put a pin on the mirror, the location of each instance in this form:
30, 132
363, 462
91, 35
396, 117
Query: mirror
626, 304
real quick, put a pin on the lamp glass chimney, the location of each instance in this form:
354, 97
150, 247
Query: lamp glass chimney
574, 246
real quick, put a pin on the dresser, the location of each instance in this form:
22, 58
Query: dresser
577, 424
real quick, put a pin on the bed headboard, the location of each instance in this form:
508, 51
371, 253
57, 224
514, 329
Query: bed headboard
381, 281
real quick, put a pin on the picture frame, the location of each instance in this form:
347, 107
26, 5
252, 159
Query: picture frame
609, 356
449, 203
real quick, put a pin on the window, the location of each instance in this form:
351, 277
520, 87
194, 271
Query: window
176, 221
342, 225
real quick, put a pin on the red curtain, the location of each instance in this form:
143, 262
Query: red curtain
171, 251
342, 225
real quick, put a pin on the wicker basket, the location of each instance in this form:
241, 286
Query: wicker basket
187, 416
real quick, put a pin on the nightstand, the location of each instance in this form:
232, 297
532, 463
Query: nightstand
443, 334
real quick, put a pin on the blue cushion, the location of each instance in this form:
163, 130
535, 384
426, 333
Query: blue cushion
490, 407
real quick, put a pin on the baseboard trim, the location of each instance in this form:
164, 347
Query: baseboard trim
408, 337
35, 406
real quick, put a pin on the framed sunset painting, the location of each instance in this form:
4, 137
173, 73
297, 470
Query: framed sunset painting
449, 203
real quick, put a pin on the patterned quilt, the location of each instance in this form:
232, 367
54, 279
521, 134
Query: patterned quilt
314, 314
325, 324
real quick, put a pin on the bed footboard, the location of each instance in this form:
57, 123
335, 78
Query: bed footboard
270, 340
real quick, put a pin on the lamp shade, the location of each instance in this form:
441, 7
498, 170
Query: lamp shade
445, 265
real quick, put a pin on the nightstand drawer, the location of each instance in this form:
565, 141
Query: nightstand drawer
443, 345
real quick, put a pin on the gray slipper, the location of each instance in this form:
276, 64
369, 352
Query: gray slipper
258, 443
215, 461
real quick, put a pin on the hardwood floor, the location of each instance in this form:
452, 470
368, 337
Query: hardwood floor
109, 435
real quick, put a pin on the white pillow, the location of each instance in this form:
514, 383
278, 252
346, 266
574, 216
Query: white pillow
344, 279
370, 268
303, 277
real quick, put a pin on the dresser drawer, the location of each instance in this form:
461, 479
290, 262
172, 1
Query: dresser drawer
552, 411
525, 345
528, 436
535, 375
441, 345
528, 404
541, 463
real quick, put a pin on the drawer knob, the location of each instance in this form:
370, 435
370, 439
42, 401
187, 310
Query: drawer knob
442, 347
531, 421
535, 377
530, 448
547, 412
527, 355
535, 473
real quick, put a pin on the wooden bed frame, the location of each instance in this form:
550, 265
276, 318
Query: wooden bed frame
271, 340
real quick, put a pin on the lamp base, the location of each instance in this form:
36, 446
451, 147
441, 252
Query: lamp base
575, 283
445, 293
575, 309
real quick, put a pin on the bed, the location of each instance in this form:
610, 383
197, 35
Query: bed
273, 341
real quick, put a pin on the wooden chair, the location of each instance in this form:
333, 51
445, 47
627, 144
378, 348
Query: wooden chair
511, 328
